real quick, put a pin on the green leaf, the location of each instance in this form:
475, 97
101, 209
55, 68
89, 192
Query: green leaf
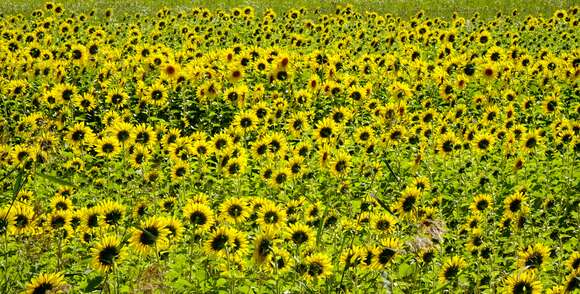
94, 283
406, 270
182, 284
18, 184
56, 180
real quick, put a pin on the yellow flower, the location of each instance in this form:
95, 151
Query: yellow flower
43, 283
150, 236
525, 282
199, 215
107, 147
451, 268
318, 266
107, 253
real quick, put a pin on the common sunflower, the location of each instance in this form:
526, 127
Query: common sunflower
107, 253
318, 266
150, 236
451, 268
234, 210
386, 251
522, 283
46, 283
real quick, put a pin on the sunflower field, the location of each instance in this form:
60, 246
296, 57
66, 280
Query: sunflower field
300, 151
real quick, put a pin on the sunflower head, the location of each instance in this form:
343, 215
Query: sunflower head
46, 283
107, 253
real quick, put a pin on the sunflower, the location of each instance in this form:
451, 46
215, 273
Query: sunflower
140, 210
267, 171
121, 131
318, 266
46, 283
80, 134
386, 252
481, 203
170, 137
60, 220
21, 215
26, 196
51, 100
447, 143
264, 243
260, 148
302, 149
65, 92
408, 201
175, 228
421, 183
489, 71
277, 143
224, 242
326, 130
201, 148
572, 282
112, 212
76, 164
451, 268
515, 204
60, 202
117, 97
574, 261
313, 211
156, 95
217, 241
278, 261
107, 253
525, 282
246, 121
234, 210
298, 124
85, 102
144, 135
107, 147
270, 216
180, 171
364, 135
300, 234
140, 156
167, 204
483, 142
475, 241
352, 257
394, 137
340, 164
22, 154
90, 218
79, 54
170, 70
280, 177
235, 74
180, 150
235, 166
368, 256
150, 236
222, 143
383, 223
7, 220
550, 104
531, 141
341, 115
199, 215
533, 257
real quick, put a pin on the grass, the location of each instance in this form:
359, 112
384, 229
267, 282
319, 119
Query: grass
404, 8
